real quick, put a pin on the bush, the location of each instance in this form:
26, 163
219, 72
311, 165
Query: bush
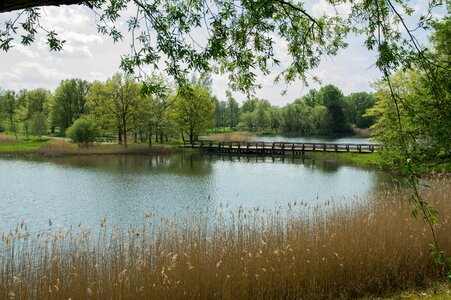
84, 130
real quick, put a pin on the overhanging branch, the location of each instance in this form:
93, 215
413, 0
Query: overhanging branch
11, 5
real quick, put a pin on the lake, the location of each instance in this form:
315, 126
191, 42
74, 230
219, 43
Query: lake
74, 189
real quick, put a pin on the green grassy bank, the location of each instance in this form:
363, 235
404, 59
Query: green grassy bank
9, 144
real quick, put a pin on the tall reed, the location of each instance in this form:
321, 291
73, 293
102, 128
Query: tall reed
297, 252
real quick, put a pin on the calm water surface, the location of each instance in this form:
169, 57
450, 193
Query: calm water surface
85, 189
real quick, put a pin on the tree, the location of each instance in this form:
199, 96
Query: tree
115, 102
193, 111
332, 98
425, 123
39, 124
32, 109
232, 112
220, 113
85, 130
415, 128
8, 105
275, 118
262, 114
356, 106
69, 103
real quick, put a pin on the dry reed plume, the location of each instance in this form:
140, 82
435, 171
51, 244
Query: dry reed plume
292, 253
62, 147
7, 139
231, 137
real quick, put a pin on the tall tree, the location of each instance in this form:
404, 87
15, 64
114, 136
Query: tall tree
114, 103
69, 103
232, 112
332, 98
421, 117
356, 106
33, 111
193, 111
8, 106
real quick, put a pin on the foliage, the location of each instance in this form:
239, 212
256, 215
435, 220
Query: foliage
332, 98
425, 122
69, 103
8, 105
356, 106
114, 103
84, 130
38, 124
193, 111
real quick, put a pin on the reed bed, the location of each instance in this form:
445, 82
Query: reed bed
7, 139
63, 147
297, 252
231, 137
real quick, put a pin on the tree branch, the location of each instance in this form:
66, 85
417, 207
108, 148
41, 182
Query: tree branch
11, 5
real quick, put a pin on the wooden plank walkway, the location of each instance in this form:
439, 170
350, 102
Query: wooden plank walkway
279, 148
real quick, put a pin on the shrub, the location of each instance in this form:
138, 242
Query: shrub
85, 130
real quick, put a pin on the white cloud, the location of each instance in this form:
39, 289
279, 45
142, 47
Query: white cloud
322, 7
27, 51
30, 74
65, 16
77, 37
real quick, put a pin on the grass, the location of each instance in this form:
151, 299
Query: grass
9, 144
298, 252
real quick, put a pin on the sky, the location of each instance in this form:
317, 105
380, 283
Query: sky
92, 56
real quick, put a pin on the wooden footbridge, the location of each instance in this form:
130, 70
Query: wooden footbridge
279, 148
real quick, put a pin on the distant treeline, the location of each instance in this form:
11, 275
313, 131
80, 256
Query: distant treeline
119, 108
326, 111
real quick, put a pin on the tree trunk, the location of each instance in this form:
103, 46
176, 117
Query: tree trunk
125, 135
191, 137
119, 135
150, 136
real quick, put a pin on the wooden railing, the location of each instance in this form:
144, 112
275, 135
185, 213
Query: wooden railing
281, 148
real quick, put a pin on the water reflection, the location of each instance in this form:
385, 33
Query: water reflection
76, 189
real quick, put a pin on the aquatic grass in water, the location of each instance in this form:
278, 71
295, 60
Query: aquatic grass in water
249, 253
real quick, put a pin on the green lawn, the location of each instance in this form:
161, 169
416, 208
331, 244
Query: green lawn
8, 144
